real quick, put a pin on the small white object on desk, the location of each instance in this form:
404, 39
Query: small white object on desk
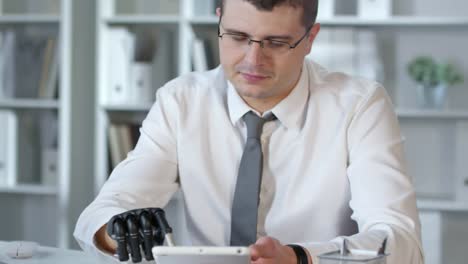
20, 249
40, 254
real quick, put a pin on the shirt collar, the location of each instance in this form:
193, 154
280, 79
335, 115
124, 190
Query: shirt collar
236, 105
290, 111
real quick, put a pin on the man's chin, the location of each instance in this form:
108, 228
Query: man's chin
252, 93
258, 90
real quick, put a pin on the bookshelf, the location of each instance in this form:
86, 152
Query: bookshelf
29, 19
48, 171
436, 138
347, 20
30, 189
28, 103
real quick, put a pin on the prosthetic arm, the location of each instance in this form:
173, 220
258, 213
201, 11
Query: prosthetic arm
139, 229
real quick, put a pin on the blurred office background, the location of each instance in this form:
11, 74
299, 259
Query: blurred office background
77, 78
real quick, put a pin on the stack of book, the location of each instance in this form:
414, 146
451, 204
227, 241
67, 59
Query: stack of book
138, 64
122, 139
36, 148
348, 50
29, 64
203, 53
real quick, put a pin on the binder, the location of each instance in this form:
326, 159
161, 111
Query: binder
120, 57
8, 152
374, 8
326, 9
141, 83
8, 62
163, 60
49, 167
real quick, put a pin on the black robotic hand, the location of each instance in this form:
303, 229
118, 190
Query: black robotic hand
145, 228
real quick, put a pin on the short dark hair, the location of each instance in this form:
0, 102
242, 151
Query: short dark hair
309, 6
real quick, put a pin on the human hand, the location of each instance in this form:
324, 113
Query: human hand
104, 241
268, 250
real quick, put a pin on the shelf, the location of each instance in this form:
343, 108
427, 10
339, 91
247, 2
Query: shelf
143, 19
127, 107
28, 103
396, 21
204, 20
432, 114
433, 205
28, 19
33, 189
402, 113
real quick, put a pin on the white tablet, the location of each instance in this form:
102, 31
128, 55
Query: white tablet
201, 255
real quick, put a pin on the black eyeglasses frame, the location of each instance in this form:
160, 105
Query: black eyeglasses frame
260, 42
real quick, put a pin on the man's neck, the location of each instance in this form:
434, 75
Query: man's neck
263, 105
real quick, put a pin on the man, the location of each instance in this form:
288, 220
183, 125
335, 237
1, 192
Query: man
332, 150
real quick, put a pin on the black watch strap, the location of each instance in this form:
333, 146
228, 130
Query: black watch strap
301, 254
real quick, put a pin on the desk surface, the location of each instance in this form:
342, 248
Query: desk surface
47, 255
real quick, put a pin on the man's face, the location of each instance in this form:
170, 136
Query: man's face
257, 75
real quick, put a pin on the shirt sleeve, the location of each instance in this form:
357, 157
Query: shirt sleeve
146, 178
383, 199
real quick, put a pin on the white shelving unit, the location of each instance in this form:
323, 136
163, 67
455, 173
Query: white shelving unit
397, 21
120, 14
346, 21
437, 140
432, 114
129, 108
143, 19
30, 189
36, 19
29, 104
31, 209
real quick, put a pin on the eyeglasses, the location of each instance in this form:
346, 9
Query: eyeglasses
269, 46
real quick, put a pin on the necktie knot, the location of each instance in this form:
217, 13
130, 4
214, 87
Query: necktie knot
255, 124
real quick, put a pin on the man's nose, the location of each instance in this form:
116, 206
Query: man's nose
254, 53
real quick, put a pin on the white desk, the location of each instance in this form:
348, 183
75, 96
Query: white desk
48, 255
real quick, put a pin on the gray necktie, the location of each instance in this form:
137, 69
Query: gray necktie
246, 196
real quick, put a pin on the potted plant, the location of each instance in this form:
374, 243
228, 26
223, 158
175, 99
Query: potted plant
433, 79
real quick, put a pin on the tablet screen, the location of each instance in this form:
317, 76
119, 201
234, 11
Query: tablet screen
201, 255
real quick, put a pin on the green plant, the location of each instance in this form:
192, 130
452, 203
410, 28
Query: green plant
426, 71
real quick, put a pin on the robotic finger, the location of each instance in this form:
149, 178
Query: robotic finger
119, 235
133, 238
147, 234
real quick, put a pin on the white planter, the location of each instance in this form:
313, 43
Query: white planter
432, 96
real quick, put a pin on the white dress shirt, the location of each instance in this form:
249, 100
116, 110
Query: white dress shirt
333, 165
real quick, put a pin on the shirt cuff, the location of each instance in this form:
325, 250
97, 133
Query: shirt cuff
316, 249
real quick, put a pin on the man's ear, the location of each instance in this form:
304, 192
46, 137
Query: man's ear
313, 34
218, 11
